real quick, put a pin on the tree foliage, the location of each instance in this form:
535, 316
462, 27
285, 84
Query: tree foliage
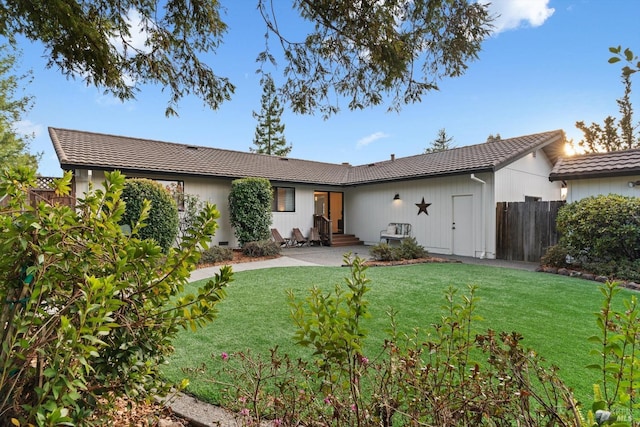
162, 222
441, 143
250, 209
615, 135
358, 50
14, 149
269, 137
89, 313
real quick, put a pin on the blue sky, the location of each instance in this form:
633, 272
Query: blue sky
543, 69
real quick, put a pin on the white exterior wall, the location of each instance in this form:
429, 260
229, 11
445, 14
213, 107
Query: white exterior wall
369, 208
579, 189
302, 218
216, 191
528, 176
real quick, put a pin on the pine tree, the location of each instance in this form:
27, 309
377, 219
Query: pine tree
269, 137
441, 143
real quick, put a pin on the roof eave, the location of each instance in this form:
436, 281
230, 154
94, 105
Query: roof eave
124, 170
553, 157
592, 175
418, 177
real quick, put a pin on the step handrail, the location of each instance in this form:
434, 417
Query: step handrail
325, 228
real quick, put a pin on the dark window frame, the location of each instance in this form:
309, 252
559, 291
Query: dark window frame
279, 205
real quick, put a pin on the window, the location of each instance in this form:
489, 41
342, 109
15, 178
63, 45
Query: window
284, 199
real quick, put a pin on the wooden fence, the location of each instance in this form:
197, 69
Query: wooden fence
524, 230
38, 194
44, 192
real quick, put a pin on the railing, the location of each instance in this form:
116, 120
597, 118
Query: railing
324, 227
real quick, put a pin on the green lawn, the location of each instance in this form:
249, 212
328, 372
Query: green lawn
553, 313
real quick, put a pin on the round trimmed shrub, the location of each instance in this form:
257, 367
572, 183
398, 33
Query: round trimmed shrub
162, 224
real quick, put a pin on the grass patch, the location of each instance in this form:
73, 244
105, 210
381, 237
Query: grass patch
553, 313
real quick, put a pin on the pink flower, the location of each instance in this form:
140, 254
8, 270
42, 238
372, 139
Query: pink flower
327, 400
224, 356
364, 360
244, 412
353, 407
277, 422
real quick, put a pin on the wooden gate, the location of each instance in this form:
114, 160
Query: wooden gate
524, 230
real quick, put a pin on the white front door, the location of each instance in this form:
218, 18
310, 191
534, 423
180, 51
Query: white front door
462, 226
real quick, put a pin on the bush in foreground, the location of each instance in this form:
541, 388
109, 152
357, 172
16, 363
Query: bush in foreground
447, 374
90, 313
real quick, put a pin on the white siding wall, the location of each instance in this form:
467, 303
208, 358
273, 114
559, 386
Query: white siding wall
216, 191
302, 218
528, 176
579, 189
370, 208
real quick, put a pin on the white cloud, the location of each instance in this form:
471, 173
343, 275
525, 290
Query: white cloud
511, 14
363, 142
137, 33
27, 127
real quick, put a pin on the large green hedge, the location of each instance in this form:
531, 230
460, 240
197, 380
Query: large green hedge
250, 209
162, 224
601, 228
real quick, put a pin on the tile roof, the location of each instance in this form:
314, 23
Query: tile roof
78, 149
597, 165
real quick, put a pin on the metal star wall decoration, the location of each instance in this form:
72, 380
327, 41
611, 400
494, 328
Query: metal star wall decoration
422, 207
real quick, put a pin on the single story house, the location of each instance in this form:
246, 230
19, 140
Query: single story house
616, 172
448, 197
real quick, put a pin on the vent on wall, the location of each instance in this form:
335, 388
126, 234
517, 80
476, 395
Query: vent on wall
223, 243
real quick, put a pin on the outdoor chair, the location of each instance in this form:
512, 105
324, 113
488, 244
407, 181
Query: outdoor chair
286, 242
299, 239
314, 236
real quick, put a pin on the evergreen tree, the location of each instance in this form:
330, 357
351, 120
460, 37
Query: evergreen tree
363, 52
441, 143
14, 148
269, 137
